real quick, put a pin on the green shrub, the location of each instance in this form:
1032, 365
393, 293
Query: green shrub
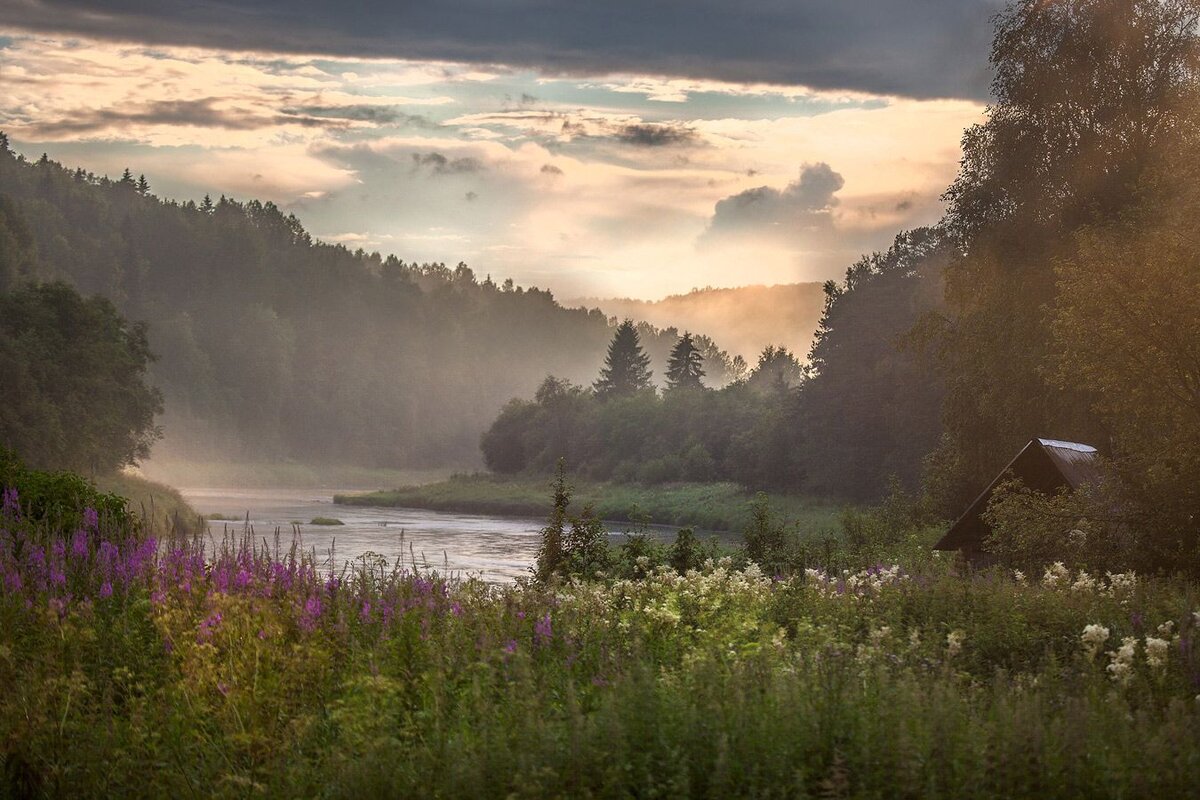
58, 500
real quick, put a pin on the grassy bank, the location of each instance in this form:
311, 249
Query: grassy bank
160, 505
711, 506
291, 475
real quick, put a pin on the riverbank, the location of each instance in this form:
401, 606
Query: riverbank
711, 506
162, 506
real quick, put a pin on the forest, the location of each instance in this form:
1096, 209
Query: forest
268, 344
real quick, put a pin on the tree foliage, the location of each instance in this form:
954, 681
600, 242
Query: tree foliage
1086, 93
871, 409
737, 433
626, 365
1128, 325
685, 368
74, 394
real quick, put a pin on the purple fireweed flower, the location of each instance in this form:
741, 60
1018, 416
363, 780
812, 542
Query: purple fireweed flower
542, 629
310, 614
365, 613
510, 646
79, 544
58, 549
12, 581
106, 589
262, 633
12, 502
91, 519
243, 578
208, 626
107, 554
456, 609
520, 615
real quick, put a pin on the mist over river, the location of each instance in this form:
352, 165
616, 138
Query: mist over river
498, 549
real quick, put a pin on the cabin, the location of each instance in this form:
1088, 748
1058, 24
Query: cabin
1045, 465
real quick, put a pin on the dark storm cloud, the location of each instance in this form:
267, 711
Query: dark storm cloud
200, 113
919, 48
802, 205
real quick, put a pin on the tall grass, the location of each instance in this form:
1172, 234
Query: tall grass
711, 506
134, 667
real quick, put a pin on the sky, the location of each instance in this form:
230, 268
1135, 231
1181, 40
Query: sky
620, 148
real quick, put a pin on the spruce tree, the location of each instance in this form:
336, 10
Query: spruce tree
684, 369
626, 367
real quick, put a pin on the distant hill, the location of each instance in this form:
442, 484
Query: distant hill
742, 320
274, 346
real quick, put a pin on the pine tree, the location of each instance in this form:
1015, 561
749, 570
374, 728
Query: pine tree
143, 188
626, 367
127, 178
207, 205
684, 369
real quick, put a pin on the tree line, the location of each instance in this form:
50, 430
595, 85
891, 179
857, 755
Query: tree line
621, 428
269, 344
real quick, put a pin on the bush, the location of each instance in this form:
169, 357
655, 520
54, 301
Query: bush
52, 501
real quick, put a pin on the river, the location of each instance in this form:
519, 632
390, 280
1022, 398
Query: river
497, 549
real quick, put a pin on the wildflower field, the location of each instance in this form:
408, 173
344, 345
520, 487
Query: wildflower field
137, 667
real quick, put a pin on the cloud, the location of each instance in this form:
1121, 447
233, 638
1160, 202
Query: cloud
653, 135
374, 114
440, 164
802, 206
922, 48
201, 113
550, 169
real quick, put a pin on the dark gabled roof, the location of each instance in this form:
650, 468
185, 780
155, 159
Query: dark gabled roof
1045, 465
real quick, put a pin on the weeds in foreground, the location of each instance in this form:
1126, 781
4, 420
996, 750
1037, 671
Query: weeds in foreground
145, 668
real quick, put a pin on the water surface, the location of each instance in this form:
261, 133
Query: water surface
498, 549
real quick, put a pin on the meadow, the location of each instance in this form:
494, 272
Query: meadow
135, 666
710, 506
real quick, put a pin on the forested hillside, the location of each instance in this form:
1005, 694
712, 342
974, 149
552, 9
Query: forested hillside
271, 344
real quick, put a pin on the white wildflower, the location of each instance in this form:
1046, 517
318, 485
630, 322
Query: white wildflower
954, 642
1093, 638
1084, 583
1156, 652
1120, 667
1167, 628
1018, 576
1056, 573
1121, 583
